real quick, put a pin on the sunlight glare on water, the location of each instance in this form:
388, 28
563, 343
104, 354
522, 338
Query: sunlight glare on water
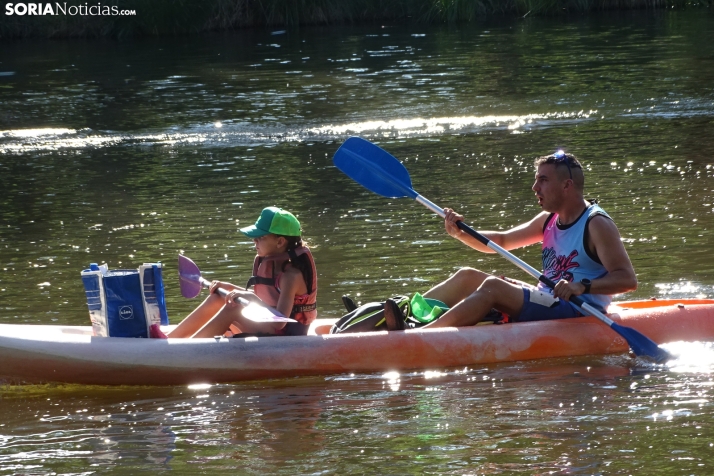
236, 134
684, 289
34, 133
691, 357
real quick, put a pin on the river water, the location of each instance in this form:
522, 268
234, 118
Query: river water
126, 152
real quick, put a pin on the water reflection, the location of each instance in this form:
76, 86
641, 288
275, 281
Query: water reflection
553, 414
225, 134
692, 357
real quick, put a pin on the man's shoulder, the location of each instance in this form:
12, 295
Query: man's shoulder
602, 223
594, 209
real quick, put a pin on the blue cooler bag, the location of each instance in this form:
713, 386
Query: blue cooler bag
125, 302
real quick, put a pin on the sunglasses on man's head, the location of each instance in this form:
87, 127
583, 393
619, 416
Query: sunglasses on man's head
560, 157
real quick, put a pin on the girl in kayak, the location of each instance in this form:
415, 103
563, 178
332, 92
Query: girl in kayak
284, 277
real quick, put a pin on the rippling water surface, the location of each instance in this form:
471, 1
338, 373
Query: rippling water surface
582, 416
134, 151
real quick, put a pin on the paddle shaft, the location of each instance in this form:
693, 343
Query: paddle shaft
207, 284
585, 308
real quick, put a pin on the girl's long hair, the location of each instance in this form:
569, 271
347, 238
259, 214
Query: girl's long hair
302, 263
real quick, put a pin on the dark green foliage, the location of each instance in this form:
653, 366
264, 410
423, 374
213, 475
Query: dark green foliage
173, 17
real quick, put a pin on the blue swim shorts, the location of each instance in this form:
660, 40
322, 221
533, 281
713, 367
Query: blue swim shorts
542, 306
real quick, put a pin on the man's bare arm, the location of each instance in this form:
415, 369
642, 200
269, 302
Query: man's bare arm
517, 237
620, 277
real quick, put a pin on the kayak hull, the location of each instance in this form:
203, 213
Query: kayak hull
68, 354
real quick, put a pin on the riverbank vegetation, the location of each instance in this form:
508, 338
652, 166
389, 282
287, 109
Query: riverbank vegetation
128, 18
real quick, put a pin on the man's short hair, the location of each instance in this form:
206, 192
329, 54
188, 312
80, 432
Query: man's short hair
561, 159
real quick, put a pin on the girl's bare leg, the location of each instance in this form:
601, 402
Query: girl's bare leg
199, 317
228, 315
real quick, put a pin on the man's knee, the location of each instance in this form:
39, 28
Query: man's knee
468, 275
492, 284
501, 294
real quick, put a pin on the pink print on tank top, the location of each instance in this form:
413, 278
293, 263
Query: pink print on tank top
558, 267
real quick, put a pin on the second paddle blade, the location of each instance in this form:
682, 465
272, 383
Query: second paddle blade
641, 345
189, 277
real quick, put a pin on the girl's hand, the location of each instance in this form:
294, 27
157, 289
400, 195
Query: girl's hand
213, 288
232, 299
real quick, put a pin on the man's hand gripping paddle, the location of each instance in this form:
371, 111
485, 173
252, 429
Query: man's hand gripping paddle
191, 284
377, 170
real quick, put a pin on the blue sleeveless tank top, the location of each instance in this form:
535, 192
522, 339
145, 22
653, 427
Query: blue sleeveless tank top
566, 256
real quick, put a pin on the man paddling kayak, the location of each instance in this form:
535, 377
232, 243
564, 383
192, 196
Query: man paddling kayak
582, 252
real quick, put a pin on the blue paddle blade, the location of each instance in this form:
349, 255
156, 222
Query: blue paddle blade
374, 168
642, 345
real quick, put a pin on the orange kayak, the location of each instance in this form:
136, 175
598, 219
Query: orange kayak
31, 353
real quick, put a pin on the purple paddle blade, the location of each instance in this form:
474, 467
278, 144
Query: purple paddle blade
189, 277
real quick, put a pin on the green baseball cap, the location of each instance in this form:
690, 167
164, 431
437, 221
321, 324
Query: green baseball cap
273, 220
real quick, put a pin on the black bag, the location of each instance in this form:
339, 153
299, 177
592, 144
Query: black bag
368, 317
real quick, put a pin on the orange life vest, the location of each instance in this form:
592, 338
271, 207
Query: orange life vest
265, 282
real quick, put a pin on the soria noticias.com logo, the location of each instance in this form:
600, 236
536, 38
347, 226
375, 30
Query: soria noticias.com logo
58, 8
